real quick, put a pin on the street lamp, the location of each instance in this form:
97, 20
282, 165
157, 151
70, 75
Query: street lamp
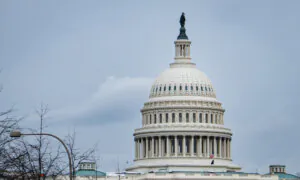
17, 134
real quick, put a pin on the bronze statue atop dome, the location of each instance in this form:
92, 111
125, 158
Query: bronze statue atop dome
182, 34
182, 20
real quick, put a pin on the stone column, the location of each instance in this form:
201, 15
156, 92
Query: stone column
152, 146
136, 149
207, 146
147, 148
183, 145
168, 146
225, 148
192, 146
228, 146
215, 146
175, 145
159, 146
200, 146
220, 145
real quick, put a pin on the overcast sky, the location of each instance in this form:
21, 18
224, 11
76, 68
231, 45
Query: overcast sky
93, 63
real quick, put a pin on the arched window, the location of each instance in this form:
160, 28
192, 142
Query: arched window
201, 88
180, 88
156, 89
197, 88
194, 117
211, 118
205, 88
154, 118
160, 89
167, 117
173, 117
206, 118
169, 88
150, 119
165, 88
180, 117
186, 87
175, 88
160, 118
200, 117
187, 117
192, 88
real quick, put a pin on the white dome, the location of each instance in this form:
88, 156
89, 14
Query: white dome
182, 80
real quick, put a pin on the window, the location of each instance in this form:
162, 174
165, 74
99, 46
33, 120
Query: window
205, 88
192, 88
154, 118
201, 88
160, 118
156, 89
197, 88
180, 117
180, 88
167, 117
165, 88
187, 117
186, 88
200, 117
150, 119
173, 117
159, 89
211, 118
206, 118
169, 88
174, 88
216, 118
194, 117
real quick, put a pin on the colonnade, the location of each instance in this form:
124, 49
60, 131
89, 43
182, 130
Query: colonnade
182, 146
183, 117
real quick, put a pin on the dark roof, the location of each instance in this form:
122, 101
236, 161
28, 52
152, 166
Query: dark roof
285, 175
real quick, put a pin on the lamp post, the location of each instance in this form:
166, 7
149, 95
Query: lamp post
17, 134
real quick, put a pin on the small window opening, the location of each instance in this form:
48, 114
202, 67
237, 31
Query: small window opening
200, 117
160, 118
180, 117
173, 117
187, 117
194, 117
167, 117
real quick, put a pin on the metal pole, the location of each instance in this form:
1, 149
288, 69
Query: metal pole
61, 141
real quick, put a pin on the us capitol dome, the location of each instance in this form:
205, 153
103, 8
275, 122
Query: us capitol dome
182, 122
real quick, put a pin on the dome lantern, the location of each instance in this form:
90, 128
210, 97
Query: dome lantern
182, 44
